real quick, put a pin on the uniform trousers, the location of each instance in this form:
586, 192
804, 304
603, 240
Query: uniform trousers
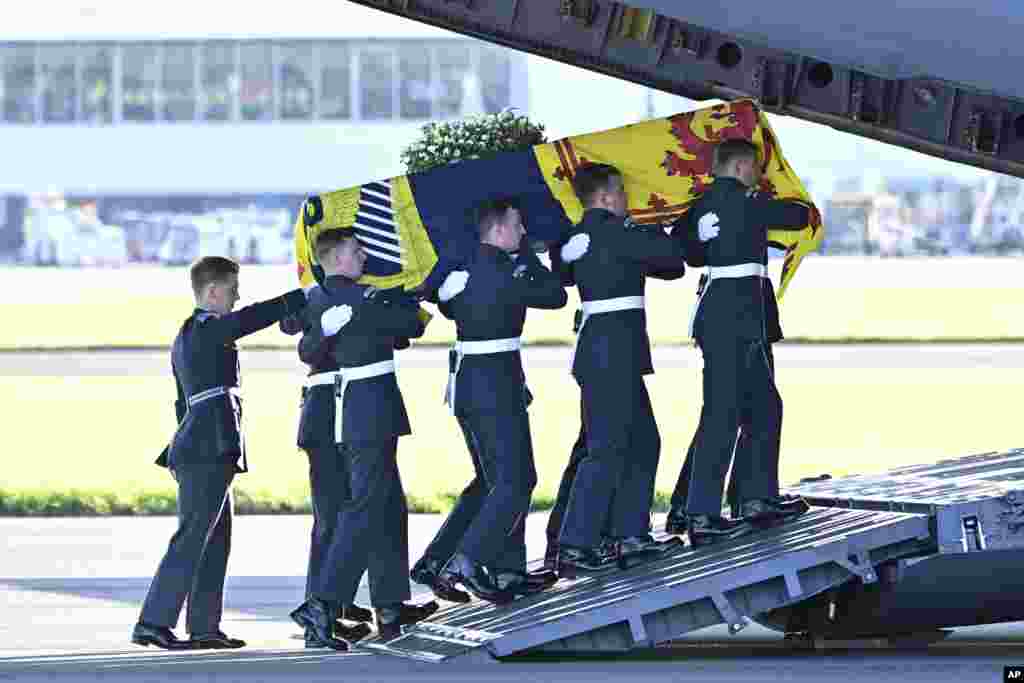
739, 386
195, 564
512, 555
744, 466
620, 464
329, 492
374, 530
557, 514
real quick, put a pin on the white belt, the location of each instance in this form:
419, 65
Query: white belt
724, 272
340, 380
622, 303
211, 393
474, 348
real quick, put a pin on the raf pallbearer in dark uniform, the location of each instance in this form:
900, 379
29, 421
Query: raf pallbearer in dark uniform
204, 455
328, 478
731, 327
608, 547
359, 327
482, 543
614, 483
744, 467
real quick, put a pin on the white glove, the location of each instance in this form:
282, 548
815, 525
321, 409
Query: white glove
707, 227
335, 318
575, 248
453, 285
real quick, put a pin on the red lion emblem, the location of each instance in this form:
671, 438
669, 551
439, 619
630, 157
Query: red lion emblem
742, 121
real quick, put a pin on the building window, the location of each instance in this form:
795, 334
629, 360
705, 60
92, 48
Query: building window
495, 79
254, 80
376, 80
97, 77
297, 81
416, 81
140, 83
220, 81
257, 92
179, 90
335, 81
57, 82
454, 68
18, 83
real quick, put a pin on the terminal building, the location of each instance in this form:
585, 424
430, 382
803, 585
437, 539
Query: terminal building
155, 132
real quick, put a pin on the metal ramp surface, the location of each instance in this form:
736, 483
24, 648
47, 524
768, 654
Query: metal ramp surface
685, 590
975, 502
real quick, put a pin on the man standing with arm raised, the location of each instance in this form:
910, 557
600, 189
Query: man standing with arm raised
206, 452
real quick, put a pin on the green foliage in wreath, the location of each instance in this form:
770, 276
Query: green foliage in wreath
472, 138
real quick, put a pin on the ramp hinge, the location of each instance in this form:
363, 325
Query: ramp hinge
793, 586
862, 567
729, 614
638, 631
973, 536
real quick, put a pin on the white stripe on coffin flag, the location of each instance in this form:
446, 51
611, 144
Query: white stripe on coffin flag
376, 196
359, 227
377, 204
389, 246
383, 256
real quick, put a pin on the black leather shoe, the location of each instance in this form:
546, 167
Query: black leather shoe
391, 618
525, 583
355, 613
609, 549
675, 523
352, 634
542, 577
317, 616
574, 561
216, 640
349, 634
635, 550
705, 529
426, 572
474, 577
770, 510
310, 639
160, 636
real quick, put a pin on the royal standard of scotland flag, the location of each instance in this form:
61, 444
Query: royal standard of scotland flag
416, 228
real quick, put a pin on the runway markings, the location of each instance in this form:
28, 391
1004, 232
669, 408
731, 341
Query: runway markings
144, 658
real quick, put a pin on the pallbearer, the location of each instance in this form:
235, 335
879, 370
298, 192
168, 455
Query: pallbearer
482, 543
359, 326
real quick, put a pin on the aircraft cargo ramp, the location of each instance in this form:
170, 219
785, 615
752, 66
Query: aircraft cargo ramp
861, 531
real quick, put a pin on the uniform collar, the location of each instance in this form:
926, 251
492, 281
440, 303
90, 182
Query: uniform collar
203, 313
493, 253
598, 213
730, 181
338, 281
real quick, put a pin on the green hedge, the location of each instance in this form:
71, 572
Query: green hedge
75, 503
